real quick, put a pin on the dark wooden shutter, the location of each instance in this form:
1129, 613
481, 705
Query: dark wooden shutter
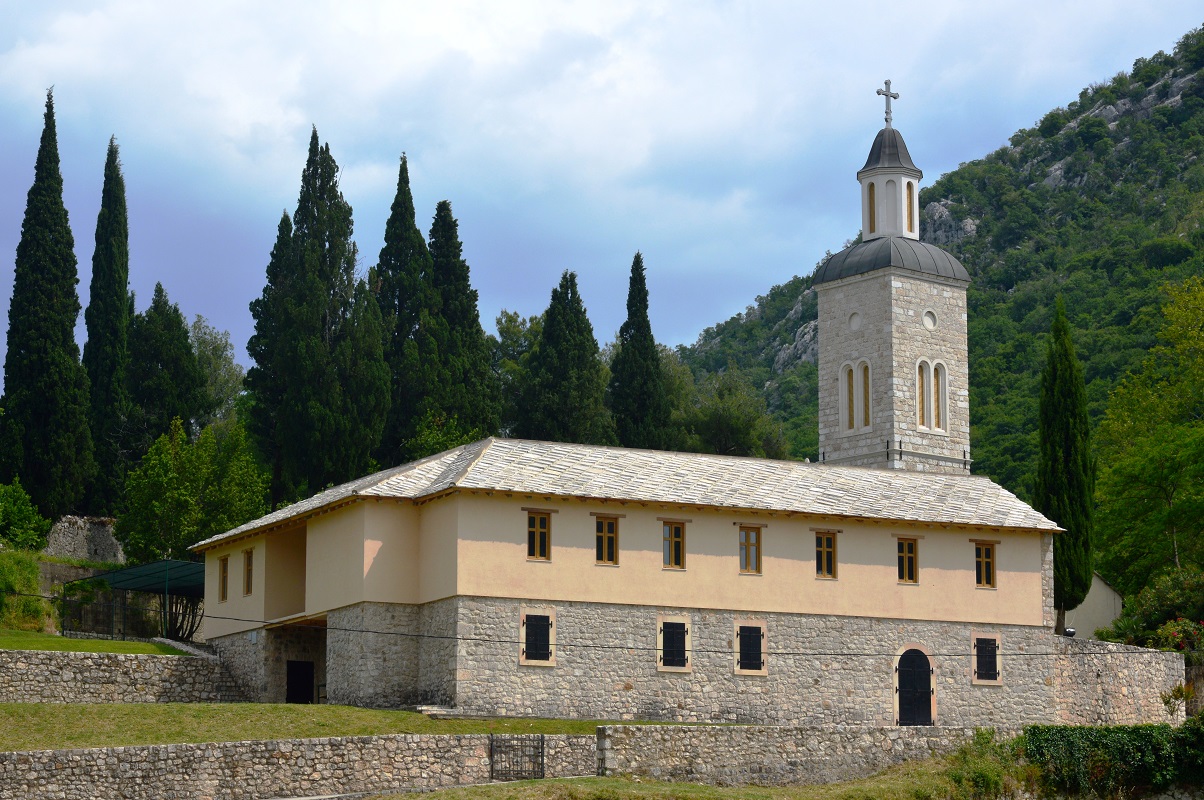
538, 639
752, 654
673, 644
986, 662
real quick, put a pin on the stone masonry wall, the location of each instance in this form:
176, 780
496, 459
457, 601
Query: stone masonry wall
258, 659
767, 756
89, 538
893, 339
285, 768
1195, 679
372, 656
28, 676
821, 670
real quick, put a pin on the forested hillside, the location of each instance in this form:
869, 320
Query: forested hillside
1100, 201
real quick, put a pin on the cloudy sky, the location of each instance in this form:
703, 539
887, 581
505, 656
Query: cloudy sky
719, 138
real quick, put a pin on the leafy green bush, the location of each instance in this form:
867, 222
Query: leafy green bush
1189, 751
980, 769
1106, 761
21, 526
1172, 596
1184, 635
19, 580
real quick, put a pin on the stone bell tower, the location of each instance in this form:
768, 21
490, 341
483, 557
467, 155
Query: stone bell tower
893, 379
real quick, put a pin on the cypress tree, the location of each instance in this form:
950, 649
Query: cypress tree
564, 387
404, 294
165, 380
106, 353
320, 387
637, 388
467, 390
1065, 484
44, 434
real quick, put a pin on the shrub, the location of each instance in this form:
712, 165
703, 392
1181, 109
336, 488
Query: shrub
1106, 761
1184, 635
21, 526
20, 608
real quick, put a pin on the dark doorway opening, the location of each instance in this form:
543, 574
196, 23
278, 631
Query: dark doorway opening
913, 683
299, 685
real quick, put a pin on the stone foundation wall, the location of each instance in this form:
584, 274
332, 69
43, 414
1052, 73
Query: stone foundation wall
285, 768
765, 756
373, 656
28, 676
258, 659
821, 670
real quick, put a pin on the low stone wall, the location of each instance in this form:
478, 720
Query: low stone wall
33, 676
767, 756
1195, 679
1105, 683
283, 768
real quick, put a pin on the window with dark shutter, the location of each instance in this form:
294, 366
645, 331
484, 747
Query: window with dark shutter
986, 659
537, 638
751, 639
673, 644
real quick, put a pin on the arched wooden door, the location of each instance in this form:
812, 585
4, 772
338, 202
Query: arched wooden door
913, 684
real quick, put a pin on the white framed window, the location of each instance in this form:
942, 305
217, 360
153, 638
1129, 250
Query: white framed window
856, 391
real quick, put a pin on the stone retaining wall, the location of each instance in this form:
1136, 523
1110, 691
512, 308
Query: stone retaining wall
767, 756
33, 676
1195, 679
283, 768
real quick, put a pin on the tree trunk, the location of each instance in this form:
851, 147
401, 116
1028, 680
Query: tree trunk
1060, 624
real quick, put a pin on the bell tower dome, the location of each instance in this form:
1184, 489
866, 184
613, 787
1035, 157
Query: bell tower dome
893, 376
889, 184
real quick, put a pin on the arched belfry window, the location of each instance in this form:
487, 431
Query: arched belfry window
891, 201
931, 395
922, 394
855, 397
872, 204
938, 397
911, 207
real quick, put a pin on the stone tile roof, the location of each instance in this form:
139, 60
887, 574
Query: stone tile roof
614, 473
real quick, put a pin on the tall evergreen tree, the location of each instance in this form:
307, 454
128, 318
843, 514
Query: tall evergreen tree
1065, 484
403, 291
565, 383
467, 390
106, 353
165, 380
44, 434
637, 388
320, 386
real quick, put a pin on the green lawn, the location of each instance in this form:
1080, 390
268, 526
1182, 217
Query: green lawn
29, 640
920, 780
46, 726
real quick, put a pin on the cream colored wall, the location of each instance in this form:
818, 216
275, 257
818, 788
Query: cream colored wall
239, 612
284, 584
1099, 609
334, 568
439, 553
390, 564
492, 562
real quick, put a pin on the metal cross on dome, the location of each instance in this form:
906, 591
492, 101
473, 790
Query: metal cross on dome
888, 94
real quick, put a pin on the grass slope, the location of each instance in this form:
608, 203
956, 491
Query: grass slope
46, 726
30, 640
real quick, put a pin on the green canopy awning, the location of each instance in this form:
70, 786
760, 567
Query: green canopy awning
179, 578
